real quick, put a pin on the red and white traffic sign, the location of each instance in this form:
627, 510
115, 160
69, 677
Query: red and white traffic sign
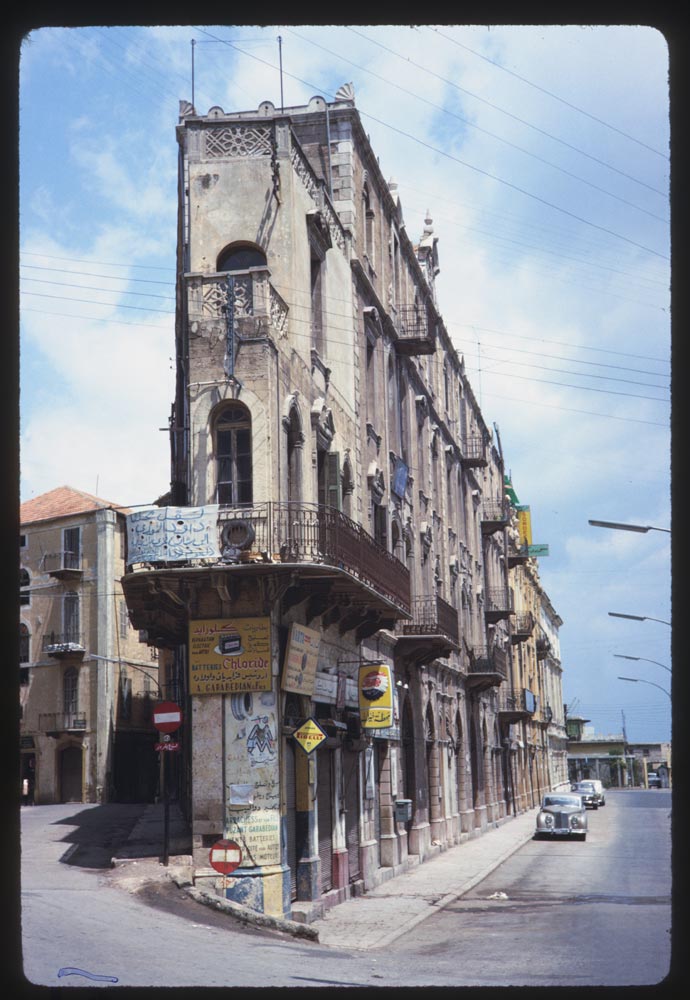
225, 856
167, 716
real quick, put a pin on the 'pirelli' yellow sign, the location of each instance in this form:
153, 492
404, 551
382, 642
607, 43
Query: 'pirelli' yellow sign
309, 735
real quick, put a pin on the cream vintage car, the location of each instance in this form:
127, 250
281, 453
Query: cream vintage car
562, 815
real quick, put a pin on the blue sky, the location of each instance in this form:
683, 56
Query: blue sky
542, 156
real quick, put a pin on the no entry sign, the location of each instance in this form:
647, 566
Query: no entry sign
167, 716
225, 856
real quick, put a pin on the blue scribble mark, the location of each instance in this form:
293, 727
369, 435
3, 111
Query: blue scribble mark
69, 971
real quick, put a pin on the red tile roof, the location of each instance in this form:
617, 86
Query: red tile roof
62, 502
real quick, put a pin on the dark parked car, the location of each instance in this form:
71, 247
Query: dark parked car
562, 815
587, 790
653, 780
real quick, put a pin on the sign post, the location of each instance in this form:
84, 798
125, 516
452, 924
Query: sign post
224, 857
167, 718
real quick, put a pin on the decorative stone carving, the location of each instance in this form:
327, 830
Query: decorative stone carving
345, 93
322, 424
238, 140
377, 482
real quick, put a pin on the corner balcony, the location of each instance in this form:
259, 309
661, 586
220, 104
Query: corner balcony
291, 551
433, 632
488, 667
414, 333
494, 516
63, 565
61, 644
522, 627
473, 451
498, 604
257, 308
56, 723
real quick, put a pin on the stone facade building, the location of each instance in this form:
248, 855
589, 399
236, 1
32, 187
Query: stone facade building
86, 682
337, 517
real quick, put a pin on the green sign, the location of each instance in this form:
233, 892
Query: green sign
537, 550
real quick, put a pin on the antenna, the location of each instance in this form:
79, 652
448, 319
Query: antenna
280, 60
193, 44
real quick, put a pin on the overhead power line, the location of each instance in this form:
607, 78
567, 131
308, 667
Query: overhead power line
445, 153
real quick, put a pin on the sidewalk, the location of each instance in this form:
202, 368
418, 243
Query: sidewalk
393, 908
361, 923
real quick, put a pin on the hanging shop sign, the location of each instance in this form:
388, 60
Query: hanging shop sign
375, 696
229, 656
309, 735
537, 550
301, 659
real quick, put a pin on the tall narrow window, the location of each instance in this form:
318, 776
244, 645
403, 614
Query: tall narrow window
317, 304
124, 620
233, 442
71, 543
368, 225
70, 610
69, 691
329, 478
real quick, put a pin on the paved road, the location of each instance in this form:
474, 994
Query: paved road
593, 913
611, 900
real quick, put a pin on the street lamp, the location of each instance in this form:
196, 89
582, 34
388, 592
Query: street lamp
622, 656
638, 680
628, 527
638, 618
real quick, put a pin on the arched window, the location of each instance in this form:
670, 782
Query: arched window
24, 644
24, 584
233, 450
240, 257
70, 612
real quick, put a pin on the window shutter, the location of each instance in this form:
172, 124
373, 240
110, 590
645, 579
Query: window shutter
333, 480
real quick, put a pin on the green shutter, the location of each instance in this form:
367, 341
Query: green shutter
333, 480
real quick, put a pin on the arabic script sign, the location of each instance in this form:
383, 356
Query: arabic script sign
166, 534
229, 656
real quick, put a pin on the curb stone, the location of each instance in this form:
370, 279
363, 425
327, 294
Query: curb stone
243, 913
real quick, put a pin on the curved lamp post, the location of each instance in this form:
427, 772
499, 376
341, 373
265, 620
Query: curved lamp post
622, 656
638, 680
638, 618
628, 527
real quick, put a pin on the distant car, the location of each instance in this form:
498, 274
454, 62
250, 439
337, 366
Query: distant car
590, 796
653, 780
599, 788
562, 815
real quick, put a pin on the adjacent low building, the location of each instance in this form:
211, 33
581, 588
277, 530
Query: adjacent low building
87, 683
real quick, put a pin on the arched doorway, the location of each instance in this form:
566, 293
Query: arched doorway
71, 774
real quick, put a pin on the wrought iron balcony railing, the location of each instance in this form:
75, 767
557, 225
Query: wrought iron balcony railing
311, 533
473, 450
415, 334
488, 660
61, 722
494, 515
498, 603
543, 647
432, 616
